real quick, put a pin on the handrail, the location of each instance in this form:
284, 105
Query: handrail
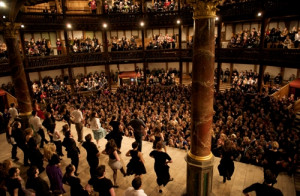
274, 57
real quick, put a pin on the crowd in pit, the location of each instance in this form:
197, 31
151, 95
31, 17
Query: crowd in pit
162, 42
124, 44
274, 38
59, 86
258, 126
3, 51
162, 77
255, 124
87, 45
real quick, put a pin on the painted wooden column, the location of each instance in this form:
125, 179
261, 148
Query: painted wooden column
105, 48
264, 22
200, 158
18, 72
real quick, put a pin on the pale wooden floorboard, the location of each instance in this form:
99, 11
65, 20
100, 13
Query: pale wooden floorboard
243, 176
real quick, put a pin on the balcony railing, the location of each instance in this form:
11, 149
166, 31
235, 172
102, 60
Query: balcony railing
236, 11
272, 57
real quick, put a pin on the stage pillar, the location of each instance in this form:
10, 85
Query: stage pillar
199, 158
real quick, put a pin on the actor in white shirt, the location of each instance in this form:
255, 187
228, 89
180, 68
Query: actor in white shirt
135, 190
77, 119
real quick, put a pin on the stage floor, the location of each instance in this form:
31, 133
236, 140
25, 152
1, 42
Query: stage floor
244, 174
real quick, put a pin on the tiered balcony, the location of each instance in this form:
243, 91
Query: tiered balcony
273, 57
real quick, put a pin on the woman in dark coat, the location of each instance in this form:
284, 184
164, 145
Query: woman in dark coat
72, 150
226, 167
116, 133
136, 164
49, 124
92, 154
161, 166
74, 182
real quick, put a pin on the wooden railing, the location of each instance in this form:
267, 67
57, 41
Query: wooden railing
236, 11
271, 57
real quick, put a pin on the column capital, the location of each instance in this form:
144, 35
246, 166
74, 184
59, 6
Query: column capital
10, 29
204, 8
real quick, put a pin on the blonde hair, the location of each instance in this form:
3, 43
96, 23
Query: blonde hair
49, 150
275, 145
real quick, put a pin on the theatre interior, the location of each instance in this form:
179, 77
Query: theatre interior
207, 73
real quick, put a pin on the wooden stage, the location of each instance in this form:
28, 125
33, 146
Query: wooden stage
244, 174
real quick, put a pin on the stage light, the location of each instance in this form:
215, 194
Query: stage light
2, 4
69, 26
104, 25
22, 26
217, 18
259, 14
142, 24
178, 21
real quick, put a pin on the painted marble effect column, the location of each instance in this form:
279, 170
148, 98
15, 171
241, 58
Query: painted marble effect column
199, 158
17, 71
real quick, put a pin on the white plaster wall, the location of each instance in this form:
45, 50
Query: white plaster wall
120, 34
170, 31
136, 33
45, 35
113, 68
225, 66
294, 23
190, 67
288, 72
98, 35
184, 67
27, 36
89, 34
254, 25
246, 26
238, 28
157, 66
78, 70
128, 34
191, 31
5, 80
113, 34
77, 34
37, 36
272, 25
51, 73
281, 25
63, 37
183, 34
155, 32
127, 67
53, 39
140, 65
273, 71
174, 65
93, 69
228, 31
162, 31
243, 67
34, 76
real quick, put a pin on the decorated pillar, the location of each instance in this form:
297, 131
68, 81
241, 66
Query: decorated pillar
17, 72
199, 158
